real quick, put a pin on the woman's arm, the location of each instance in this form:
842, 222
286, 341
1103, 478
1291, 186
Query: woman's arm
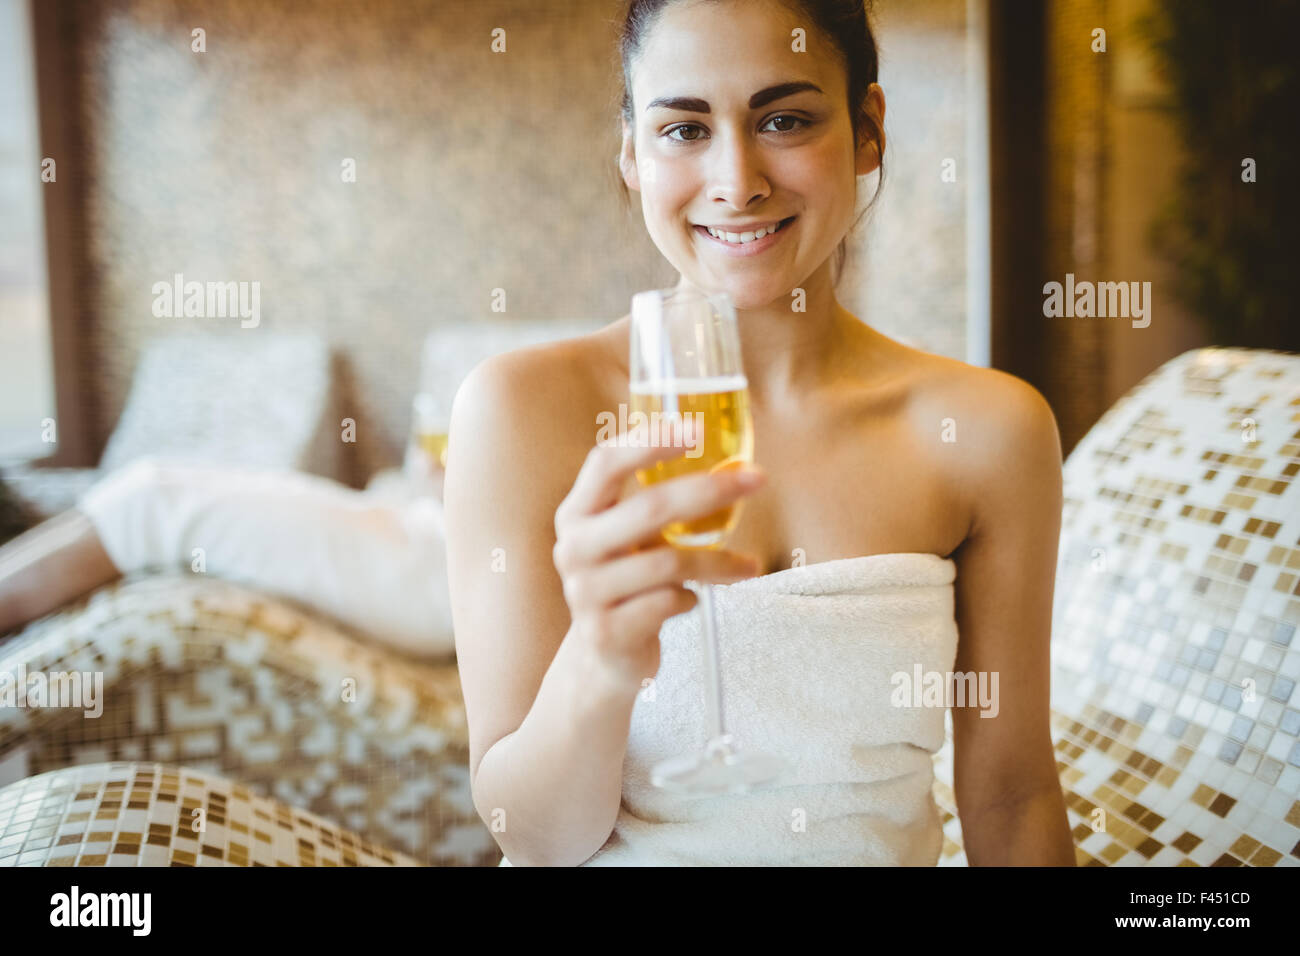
547, 732
1005, 777
48, 566
561, 581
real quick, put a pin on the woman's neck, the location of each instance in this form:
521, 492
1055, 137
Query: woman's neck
791, 347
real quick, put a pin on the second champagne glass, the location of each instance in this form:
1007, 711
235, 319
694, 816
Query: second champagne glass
685, 363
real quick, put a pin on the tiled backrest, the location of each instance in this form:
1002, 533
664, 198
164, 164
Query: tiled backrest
212, 676
151, 814
1174, 663
257, 399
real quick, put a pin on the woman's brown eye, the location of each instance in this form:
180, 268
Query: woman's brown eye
680, 129
795, 121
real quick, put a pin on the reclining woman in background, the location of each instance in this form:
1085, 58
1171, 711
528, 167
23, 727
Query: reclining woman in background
376, 564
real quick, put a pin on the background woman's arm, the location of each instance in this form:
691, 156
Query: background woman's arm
48, 566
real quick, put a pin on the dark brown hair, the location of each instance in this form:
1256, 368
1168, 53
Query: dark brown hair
845, 24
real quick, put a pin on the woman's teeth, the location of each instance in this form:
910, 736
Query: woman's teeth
741, 238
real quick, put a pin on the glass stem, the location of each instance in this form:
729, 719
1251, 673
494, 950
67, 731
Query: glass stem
712, 670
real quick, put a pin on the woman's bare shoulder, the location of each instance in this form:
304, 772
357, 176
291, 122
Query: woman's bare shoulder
590, 356
545, 396
990, 399
993, 418
579, 366
980, 427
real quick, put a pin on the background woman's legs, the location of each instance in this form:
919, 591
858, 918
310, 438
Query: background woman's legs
379, 567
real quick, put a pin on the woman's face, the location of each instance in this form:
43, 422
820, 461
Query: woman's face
717, 144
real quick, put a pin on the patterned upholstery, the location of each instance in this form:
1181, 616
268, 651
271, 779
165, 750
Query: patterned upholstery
204, 674
1174, 663
147, 814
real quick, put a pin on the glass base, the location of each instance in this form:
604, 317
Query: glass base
719, 768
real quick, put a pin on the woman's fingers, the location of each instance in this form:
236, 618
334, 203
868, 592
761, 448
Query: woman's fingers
642, 516
639, 618
623, 578
607, 467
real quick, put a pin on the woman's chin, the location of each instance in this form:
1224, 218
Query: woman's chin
744, 292
746, 297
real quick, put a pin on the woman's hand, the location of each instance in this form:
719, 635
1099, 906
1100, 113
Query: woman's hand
621, 579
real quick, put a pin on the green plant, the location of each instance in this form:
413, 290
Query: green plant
1234, 75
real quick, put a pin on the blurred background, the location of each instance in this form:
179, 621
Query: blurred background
1102, 138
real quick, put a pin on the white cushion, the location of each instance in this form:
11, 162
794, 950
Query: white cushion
253, 398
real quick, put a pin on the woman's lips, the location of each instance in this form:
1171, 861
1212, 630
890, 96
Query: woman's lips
749, 248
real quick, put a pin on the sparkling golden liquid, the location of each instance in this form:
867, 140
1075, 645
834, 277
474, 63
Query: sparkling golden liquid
727, 442
435, 446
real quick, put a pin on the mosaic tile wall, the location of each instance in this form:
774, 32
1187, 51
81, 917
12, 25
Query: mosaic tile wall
224, 681
1175, 708
474, 172
147, 814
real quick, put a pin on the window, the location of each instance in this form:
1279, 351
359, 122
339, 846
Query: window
26, 377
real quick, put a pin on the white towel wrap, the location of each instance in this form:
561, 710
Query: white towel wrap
807, 658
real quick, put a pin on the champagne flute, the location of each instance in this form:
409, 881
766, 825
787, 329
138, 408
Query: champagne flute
426, 449
685, 361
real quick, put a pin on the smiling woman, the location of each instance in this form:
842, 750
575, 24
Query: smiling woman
791, 113
918, 496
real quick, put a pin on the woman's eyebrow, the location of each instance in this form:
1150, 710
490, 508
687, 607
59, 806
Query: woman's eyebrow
691, 104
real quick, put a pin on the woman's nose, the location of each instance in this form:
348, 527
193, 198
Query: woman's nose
736, 175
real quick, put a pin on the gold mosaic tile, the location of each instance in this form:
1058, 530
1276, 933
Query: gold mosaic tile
1201, 768
70, 792
224, 681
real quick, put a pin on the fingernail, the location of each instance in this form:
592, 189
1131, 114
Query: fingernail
750, 478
